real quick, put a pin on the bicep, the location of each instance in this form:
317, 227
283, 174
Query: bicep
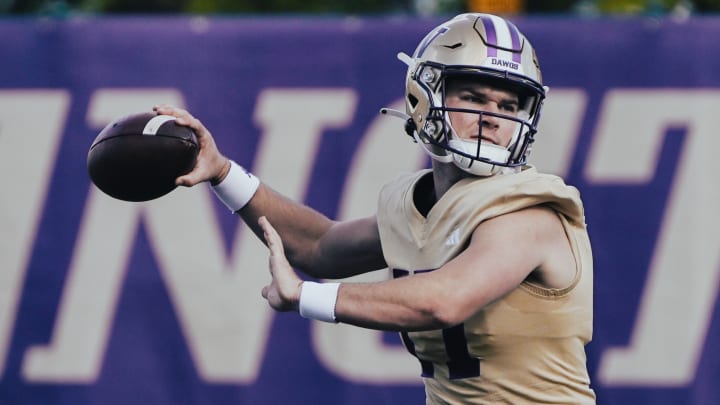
315, 244
348, 248
501, 254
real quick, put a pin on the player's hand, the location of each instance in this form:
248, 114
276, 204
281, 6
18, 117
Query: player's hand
211, 165
283, 292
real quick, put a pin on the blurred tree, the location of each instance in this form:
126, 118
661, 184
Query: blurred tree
295, 6
549, 6
348, 6
37, 6
496, 6
144, 6
656, 6
707, 5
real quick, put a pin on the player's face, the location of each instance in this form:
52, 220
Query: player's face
468, 94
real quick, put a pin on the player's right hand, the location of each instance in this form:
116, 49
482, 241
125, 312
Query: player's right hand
211, 165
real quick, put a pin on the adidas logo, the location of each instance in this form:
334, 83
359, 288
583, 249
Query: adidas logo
454, 238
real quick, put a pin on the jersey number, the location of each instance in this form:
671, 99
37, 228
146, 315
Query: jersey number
460, 363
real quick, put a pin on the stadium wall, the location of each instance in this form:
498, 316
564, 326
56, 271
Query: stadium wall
109, 302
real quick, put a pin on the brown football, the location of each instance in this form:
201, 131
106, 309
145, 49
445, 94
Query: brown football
138, 157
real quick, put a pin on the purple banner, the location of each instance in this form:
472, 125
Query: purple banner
109, 302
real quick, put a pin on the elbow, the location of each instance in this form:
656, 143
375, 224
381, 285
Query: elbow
307, 263
302, 253
446, 312
446, 319
301, 261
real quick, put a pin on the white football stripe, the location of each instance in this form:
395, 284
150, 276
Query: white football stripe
155, 123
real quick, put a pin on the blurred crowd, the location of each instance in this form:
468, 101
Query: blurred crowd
365, 7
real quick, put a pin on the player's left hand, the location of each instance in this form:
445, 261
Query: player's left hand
283, 292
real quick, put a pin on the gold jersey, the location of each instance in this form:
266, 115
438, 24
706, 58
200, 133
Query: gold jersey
525, 348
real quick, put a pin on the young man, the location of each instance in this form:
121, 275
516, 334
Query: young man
492, 287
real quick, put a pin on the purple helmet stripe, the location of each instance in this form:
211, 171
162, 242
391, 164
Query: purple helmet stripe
515, 38
490, 35
428, 40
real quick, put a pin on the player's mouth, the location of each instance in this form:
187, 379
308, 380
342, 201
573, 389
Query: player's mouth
484, 139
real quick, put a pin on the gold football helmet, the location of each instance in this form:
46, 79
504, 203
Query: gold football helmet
480, 47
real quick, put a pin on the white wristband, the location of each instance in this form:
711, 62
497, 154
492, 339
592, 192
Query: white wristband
317, 300
237, 188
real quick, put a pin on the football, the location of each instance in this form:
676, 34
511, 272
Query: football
138, 157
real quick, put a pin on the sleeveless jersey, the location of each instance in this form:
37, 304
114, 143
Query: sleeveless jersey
525, 348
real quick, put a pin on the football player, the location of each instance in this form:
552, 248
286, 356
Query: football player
492, 264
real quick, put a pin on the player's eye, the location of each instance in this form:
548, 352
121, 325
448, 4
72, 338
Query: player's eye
472, 98
509, 107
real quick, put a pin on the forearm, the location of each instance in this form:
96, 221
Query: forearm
301, 227
394, 305
315, 244
243, 193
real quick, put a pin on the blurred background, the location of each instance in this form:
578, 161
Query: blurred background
106, 302
423, 7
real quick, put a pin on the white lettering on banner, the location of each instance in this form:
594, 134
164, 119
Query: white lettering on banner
353, 353
216, 293
107, 105
293, 121
88, 301
273, 166
681, 288
31, 124
87, 304
558, 131
221, 313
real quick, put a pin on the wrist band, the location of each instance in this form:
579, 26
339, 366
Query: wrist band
317, 300
237, 188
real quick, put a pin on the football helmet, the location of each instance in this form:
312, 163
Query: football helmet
494, 52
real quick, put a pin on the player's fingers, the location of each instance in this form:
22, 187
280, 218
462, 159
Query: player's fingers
183, 117
271, 236
166, 109
194, 123
264, 224
160, 107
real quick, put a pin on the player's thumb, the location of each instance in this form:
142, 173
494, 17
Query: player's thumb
187, 180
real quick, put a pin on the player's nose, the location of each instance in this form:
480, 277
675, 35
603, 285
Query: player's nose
489, 121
